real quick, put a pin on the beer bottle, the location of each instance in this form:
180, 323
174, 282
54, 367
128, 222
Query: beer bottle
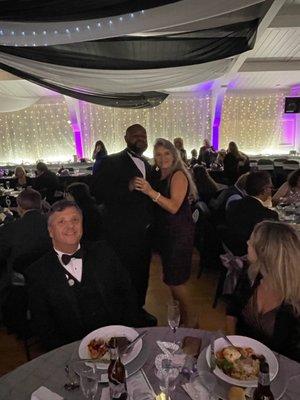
263, 391
116, 373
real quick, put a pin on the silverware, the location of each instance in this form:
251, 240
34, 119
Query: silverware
228, 341
213, 363
140, 336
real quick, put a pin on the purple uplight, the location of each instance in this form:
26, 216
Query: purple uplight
204, 86
78, 143
217, 123
289, 122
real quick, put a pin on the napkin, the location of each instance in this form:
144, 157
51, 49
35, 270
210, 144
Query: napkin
43, 393
196, 391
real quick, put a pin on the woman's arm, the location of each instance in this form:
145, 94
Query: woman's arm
178, 190
281, 192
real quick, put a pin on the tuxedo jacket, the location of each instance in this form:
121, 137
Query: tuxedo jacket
54, 305
126, 210
242, 217
24, 240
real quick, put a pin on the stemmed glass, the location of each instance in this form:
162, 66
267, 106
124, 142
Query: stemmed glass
88, 382
8, 201
7, 184
173, 316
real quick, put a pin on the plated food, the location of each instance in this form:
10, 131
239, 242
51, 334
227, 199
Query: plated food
99, 348
239, 362
238, 365
95, 344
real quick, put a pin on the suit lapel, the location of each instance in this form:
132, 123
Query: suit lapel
131, 167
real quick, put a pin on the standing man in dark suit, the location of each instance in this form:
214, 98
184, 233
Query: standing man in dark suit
128, 211
243, 215
76, 289
46, 182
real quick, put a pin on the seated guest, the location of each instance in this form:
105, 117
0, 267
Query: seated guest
220, 158
231, 194
207, 154
266, 302
289, 192
46, 182
26, 239
235, 163
244, 214
75, 289
92, 218
178, 143
21, 179
193, 161
206, 186
22, 242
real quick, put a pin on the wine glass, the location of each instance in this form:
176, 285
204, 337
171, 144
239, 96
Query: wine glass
173, 316
88, 382
8, 201
7, 184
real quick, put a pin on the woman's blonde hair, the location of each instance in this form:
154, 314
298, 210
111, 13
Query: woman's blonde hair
277, 246
178, 164
20, 168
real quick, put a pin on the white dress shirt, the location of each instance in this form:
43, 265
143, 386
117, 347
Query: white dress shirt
139, 163
74, 267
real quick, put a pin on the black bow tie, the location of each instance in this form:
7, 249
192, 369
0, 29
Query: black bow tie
66, 258
135, 155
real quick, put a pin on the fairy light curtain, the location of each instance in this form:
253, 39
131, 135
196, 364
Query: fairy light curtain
253, 121
186, 116
41, 131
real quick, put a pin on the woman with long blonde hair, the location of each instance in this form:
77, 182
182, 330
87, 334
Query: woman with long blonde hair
266, 302
171, 189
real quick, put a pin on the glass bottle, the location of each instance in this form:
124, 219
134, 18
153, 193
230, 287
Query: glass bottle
116, 374
263, 391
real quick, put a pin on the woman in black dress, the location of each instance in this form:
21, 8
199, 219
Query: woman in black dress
171, 189
235, 163
266, 302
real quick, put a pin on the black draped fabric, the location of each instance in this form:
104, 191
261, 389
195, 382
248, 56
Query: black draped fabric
136, 52
71, 10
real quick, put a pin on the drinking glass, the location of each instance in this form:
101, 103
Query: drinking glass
208, 380
173, 316
167, 376
88, 382
7, 184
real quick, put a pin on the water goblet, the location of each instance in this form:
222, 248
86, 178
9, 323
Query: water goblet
7, 184
88, 382
173, 316
8, 201
167, 376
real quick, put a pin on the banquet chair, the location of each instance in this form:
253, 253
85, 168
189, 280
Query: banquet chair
263, 164
290, 165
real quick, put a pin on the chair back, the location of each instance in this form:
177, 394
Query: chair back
290, 165
265, 164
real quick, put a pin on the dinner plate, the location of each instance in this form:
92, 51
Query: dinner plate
106, 333
243, 341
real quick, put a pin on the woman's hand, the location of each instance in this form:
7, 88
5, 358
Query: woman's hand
142, 185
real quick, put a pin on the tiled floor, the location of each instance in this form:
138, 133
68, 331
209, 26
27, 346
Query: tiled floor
201, 290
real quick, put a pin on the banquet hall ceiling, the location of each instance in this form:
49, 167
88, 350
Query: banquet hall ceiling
273, 63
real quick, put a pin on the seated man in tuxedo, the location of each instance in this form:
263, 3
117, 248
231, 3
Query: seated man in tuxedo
22, 242
244, 214
75, 289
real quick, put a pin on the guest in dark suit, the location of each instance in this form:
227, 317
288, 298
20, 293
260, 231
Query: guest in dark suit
266, 302
128, 212
22, 242
244, 214
46, 182
92, 217
207, 154
76, 289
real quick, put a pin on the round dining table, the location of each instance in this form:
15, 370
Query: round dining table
49, 369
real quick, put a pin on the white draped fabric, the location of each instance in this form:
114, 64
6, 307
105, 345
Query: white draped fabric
18, 94
176, 14
120, 81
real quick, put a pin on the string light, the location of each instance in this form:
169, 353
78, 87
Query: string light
254, 122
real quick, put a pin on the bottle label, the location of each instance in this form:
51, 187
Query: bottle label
117, 390
264, 379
